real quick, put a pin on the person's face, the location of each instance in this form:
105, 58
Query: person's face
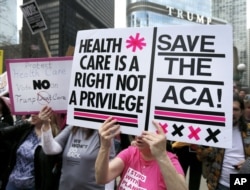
247, 110
235, 88
35, 120
140, 143
242, 93
237, 112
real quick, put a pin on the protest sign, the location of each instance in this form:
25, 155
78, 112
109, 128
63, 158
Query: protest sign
36, 82
1, 61
4, 88
181, 76
33, 17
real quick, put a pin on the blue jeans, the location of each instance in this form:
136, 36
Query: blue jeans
11, 186
219, 187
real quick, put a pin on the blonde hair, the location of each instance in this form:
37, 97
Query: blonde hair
88, 132
54, 123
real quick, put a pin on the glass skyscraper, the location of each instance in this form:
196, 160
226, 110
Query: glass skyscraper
234, 12
141, 13
64, 18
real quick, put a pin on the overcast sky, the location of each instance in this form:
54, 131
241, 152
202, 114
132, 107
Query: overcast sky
120, 13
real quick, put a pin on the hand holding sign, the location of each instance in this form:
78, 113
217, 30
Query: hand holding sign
45, 113
37, 82
108, 130
156, 141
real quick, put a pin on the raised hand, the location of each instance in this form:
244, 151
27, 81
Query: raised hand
45, 113
156, 141
108, 130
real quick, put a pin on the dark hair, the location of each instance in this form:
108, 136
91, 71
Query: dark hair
237, 98
242, 122
5, 109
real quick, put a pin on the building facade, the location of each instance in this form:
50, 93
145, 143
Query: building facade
141, 13
235, 13
63, 19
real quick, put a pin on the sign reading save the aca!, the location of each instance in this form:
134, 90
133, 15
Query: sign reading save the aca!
180, 76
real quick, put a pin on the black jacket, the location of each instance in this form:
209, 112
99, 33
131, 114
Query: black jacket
6, 118
11, 138
47, 170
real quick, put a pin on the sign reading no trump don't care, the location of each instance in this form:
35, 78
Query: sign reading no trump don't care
36, 82
180, 76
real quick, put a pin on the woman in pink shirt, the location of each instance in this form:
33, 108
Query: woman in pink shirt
145, 166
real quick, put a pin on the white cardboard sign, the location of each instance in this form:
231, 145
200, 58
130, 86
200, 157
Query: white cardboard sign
36, 82
181, 76
4, 88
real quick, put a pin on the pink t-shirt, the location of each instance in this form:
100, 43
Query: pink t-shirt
139, 174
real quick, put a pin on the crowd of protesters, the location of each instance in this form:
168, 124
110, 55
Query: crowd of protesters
40, 152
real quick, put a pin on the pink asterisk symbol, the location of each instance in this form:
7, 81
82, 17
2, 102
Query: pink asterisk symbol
136, 42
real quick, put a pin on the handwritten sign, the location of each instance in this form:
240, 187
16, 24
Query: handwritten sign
181, 76
1, 61
37, 82
4, 88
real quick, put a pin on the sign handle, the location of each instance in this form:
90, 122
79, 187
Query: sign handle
45, 44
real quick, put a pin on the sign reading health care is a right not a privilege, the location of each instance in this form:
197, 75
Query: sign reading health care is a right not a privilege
181, 76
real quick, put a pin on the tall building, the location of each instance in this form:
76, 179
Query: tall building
235, 13
8, 22
63, 19
141, 13
248, 55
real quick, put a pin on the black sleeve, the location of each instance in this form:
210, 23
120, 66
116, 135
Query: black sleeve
46, 178
8, 120
13, 132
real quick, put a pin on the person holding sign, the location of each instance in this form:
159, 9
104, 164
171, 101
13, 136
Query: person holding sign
79, 147
6, 119
223, 162
24, 157
144, 166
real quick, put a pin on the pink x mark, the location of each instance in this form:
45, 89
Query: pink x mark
194, 133
164, 127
